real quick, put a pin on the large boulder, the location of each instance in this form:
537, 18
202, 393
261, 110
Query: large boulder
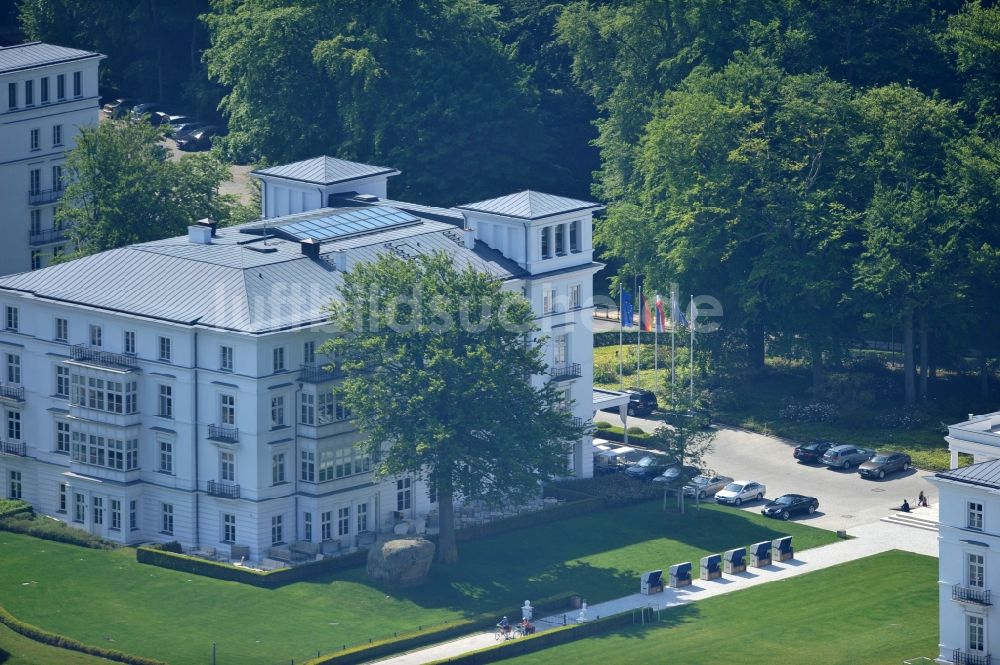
400, 561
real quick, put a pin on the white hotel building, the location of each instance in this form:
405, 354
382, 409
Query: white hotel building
174, 390
46, 94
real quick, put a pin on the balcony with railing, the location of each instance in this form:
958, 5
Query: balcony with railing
224, 433
224, 490
318, 372
565, 371
970, 594
40, 197
91, 356
18, 448
960, 657
48, 236
13, 393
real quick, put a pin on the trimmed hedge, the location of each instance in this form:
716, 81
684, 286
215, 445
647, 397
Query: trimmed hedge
610, 338
614, 433
269, 579
52, 639
539, 641
11, 507
51, 529
393, 645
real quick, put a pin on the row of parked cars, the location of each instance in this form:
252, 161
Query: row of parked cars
870, 464
189, 133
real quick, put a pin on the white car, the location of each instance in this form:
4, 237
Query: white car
738, 491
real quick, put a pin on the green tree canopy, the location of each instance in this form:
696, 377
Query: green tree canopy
438, 365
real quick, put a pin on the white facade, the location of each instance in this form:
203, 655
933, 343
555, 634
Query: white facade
969, 542
979, 436
46, 94
171, 420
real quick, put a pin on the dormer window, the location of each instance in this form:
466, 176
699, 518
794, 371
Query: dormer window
560, 239
546, 245
574, 236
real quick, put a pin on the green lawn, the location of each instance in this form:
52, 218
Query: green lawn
18, 650
882, 609
105, 597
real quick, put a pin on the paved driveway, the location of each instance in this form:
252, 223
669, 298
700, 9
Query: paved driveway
845, 499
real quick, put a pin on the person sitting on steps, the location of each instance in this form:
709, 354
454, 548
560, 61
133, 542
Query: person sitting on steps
906, 506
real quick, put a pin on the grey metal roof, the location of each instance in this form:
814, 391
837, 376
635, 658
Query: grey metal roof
36, 54
243, 281
985, 474
530, 205
325, 171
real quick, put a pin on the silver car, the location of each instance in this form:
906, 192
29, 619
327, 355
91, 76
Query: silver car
845, 456
706, 485
738, 491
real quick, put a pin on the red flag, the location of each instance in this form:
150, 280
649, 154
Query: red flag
645, 316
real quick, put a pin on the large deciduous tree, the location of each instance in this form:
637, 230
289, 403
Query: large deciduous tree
438, 363
123, 189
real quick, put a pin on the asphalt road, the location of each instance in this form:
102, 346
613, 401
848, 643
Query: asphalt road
845, 499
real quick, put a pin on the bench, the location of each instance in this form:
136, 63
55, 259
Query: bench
680, 574
735, 561
783, 547
760, 554
711, 566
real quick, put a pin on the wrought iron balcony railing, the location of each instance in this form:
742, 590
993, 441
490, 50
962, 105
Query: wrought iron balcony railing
317, 372
960, 657
970, 594
224, 433
43, 196
18, 448
48, 236
225, 490
86, 354
565, 371
12, 392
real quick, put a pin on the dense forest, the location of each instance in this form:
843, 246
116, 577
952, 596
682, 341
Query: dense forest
828, 170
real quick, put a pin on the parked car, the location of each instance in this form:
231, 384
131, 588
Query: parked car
118, 107
198, 139
649, 467
173, 122
812, 452
845, 456
640, 403
184, 128
146, 108
884, 463
706, 485
678, 474
739, 491
787, 505
616, 459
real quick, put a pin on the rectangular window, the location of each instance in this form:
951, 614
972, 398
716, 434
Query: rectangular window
574, 236
36, 221
12, 95
133, 515
13, 368
166, 456
278, 411
309, 353
574, 296
98, 506
35, 181
560, 349
61, 87
342, 412
326, 464
307, 409
56, 135
166, 402
29, 93
128, 342
226, 358
78, 84
977, 630
57, 178
279, 359
227, 409
546, 248
12, 318
36, 259
14, 425
14, 491
79, 508
167, 518
34, 134
977, 570
164, 349
307, 527
277, 468
362, 517
548, 301
277, 535
104, 395
975, 516
96, 336
560, 239
326, 525
116, 515
228, 528
43, 90
227, 466
62, 497
404, 494
325, 411
308, 466
62, 330
62, 437
344, 521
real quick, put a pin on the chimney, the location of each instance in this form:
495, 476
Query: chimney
210, 223
200, 235
310, 248
971, 416
469, 238
340, 259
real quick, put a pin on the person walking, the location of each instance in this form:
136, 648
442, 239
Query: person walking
922, 501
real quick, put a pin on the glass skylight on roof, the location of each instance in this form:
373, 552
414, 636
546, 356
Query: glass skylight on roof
352, 222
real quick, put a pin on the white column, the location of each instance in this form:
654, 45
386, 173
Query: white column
954, 459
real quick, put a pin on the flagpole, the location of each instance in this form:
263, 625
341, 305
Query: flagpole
638, 335
673, 346
656, 339
691, 325
621, 328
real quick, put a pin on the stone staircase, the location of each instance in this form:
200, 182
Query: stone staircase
916, 521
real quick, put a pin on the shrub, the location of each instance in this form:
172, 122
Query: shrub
605, 373
603, 424
901, 418
11, 507
724, 399
48, 528
635, 430
172, 546
808, 412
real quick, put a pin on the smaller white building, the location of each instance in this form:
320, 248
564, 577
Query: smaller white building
969, 551
978, 436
